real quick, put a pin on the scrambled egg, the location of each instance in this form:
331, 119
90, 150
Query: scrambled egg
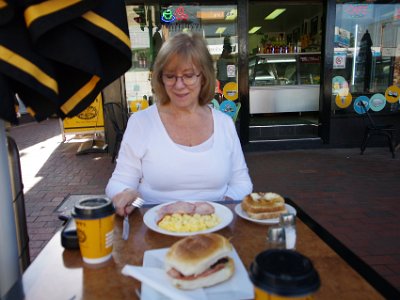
188, 223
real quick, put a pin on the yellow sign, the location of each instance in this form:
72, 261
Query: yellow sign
343, 101
90, 119
231, 91
137, 105
392, 94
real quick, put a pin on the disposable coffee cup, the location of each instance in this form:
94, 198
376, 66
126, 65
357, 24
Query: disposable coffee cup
94, 218
283, 274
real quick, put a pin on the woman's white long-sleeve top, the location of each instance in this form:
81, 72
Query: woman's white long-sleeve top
162, 171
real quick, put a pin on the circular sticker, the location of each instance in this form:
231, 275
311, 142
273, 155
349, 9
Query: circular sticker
392, 94
343, 101
358, 106
139, 104
228, 107
231, 91
377, 102
339, 86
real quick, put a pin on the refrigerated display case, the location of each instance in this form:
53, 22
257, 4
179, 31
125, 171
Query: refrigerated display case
285, 82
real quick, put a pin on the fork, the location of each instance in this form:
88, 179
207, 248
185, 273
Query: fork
125, 228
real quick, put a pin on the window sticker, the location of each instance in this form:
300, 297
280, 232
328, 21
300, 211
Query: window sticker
340, 86
392, 94
228, 107
377, 102
358, 106
231, 91
343, 101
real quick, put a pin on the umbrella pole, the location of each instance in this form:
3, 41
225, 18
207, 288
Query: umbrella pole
9, 266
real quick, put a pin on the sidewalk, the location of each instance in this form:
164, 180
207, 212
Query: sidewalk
51, 171
354, 197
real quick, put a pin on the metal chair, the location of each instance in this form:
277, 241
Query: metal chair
115, 112
389, 131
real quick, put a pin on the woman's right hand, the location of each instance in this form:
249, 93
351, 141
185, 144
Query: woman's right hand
123, 200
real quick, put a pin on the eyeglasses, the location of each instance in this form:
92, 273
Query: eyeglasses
188, 79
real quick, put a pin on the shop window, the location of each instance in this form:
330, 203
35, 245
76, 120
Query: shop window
151, 25
366, 64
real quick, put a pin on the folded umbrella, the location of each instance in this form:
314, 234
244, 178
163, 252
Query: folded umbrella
26, 72
59, 55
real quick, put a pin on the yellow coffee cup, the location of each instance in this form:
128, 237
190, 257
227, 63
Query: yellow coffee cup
280, 274
94, 218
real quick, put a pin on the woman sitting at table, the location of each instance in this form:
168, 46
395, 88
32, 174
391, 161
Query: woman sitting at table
180, 148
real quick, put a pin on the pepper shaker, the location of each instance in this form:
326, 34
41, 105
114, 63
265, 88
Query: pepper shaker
276, 237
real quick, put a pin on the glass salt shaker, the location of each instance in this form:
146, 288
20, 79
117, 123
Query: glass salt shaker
288, 222
276, 237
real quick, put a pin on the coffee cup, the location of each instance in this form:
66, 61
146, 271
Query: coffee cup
94, 218
283, 274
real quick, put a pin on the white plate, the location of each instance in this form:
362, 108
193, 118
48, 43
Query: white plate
244, 215
150, 218
237, 287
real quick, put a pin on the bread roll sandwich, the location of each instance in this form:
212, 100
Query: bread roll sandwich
264, 205
199, 261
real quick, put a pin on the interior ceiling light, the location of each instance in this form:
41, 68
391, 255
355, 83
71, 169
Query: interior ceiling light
254, 29
220, 30
272, 61
231, 15
275, 13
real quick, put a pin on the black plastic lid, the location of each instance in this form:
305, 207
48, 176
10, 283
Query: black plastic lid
284, 273
93, 208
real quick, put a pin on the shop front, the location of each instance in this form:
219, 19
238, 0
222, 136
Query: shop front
290, 73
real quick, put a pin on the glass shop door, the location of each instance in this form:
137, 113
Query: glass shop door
284, 70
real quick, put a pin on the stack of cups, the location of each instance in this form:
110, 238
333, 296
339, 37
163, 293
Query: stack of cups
94, 219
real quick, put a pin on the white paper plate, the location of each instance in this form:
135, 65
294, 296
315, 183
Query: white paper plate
150, 218
237, 287
243, 214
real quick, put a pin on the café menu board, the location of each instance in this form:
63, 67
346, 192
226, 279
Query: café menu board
89, 120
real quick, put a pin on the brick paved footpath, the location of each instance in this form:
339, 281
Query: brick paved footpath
356, 198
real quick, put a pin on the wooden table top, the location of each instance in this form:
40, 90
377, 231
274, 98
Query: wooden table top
58, 273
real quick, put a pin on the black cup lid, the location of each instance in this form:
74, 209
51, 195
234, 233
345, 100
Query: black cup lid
284, 273
91, 208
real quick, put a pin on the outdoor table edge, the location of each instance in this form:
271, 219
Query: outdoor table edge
384, 287
367, 272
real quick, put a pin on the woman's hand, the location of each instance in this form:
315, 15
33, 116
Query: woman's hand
122, 202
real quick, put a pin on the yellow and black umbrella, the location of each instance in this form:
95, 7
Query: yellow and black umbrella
58, 55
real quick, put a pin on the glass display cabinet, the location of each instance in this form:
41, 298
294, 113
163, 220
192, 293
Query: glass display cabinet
285, 82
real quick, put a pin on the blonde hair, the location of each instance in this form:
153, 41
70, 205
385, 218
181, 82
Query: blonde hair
188, 47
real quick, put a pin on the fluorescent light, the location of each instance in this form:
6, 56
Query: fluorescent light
220, 30
254, 29
271, 61
275, 13
265, 77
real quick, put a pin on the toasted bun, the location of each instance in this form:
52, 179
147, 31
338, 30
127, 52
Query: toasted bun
193, 255
212, 279
262, 206
266, 215
263, 203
